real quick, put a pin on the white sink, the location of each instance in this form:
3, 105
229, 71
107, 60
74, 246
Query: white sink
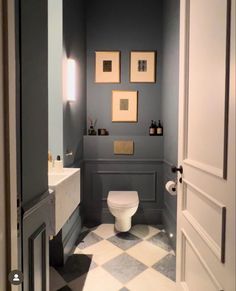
66, 187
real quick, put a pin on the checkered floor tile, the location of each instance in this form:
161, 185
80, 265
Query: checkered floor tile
141, 259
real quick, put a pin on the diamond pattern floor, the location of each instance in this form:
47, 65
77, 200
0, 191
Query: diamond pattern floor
104, 260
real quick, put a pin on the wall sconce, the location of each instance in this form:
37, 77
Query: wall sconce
70, 80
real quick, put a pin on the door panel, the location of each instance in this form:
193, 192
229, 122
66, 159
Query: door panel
195, 204
206, 84
196, 275
206, 196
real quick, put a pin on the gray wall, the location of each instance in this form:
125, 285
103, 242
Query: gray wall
55, 98
170, 81
74, 119
124, 26
34, 98
74, 116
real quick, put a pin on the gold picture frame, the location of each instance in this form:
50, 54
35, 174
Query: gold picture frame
124, 106
107, 66
143, 66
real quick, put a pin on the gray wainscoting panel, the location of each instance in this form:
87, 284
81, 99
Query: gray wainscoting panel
145, 182
103, 176
101, 147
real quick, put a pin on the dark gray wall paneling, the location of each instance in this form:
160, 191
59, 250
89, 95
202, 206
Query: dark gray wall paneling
74, 117
101, 147
105, 171
124, 26
170, 82
104, 176
34, 98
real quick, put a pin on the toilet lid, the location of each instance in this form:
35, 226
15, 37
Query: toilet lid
123, 198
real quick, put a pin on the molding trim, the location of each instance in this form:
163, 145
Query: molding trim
218, 250
108, 161
203, 234
185, 239
227, 88
204, 167
31, 207
167, 162
41, 231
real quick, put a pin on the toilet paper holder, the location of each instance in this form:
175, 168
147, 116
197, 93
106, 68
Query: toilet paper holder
171, 187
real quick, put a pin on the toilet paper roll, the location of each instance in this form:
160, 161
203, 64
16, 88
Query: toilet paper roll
171, 187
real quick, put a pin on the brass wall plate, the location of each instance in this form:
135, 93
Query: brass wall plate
123, 147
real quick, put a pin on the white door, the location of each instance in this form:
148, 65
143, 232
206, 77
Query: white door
206, 201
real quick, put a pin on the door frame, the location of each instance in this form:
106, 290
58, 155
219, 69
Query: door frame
10, 137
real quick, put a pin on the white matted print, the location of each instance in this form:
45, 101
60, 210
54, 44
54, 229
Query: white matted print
143, 67
107, 67
124, 106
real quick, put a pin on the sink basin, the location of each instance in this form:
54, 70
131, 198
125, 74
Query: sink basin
66, 191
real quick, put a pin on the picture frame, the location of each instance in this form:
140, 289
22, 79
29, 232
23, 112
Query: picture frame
143, 66
124, 106
107, 67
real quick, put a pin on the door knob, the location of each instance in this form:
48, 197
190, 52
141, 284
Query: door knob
174, 169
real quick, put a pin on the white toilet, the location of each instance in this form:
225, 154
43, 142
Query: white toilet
123, 205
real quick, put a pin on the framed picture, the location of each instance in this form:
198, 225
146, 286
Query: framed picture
143, 67
107, 67
124, 106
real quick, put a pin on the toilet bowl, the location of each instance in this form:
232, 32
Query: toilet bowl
123, 205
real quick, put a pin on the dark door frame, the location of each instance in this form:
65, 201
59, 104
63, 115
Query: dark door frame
10, 138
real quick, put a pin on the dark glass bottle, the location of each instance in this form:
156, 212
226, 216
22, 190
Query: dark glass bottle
152, 128
159, 129
91, 130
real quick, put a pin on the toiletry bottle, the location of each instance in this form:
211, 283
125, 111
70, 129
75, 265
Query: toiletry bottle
91, 130
159, 129
152, 129
58, 165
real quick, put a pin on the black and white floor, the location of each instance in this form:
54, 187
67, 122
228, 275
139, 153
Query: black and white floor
140, 260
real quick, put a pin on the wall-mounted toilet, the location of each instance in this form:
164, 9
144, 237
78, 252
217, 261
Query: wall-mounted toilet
123, 205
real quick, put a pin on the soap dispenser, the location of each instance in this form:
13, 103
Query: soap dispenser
58, 165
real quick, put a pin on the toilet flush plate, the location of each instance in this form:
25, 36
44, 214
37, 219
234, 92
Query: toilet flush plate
123, 147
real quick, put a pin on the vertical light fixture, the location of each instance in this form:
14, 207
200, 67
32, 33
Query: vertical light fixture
71, 80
